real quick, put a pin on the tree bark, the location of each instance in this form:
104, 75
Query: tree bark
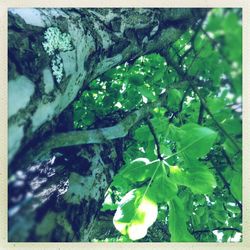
102, 39
68, 189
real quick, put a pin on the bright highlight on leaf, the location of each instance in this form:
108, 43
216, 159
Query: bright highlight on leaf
175, 170
135, 214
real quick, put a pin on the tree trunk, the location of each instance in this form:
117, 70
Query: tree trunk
66, 191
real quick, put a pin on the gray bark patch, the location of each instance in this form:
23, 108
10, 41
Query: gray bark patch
20, 90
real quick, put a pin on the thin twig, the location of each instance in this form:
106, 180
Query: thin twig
180, 105
152, 130
224, 153
217, 228
201, 113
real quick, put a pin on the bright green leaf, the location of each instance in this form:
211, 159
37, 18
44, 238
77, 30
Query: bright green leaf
147, 92
163, 188
135, 214
236, 185
200, 180
174, 99
177, 222
193, 140
138, 170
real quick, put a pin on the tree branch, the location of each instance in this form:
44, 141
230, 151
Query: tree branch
101, 39
201, 113
100, 135
151, 128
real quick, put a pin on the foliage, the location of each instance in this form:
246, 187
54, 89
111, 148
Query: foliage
194, 186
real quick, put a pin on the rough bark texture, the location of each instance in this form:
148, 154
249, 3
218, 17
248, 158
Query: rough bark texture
69, 188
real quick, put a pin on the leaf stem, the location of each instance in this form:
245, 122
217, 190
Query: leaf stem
146, 190
151, 179
157, 144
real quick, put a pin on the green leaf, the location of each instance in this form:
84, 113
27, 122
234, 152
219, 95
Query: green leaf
206, 50
221, 216
233, 208
187, 199
109, 75
177, 222
177, 175
121, 183
232, 126
214, 20
174, 99
136, 79
195, 220
143, 134
159, 74
230, 148
147, 92
227, 235
236, 185
204, 218
193, 140
89, 118
200, 211
107, 207
138, 170
160, 124
135, 214
203, 46
215, 104
163, 188
200, 180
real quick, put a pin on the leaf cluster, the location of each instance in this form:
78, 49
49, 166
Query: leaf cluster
195, 188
